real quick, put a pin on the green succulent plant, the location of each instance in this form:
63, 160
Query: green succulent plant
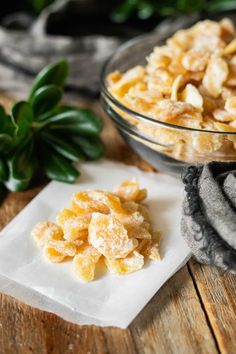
40, 135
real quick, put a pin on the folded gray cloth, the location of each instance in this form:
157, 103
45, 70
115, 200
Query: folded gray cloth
209, 213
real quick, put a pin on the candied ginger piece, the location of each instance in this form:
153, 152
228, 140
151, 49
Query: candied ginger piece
131, 206
74, 226
156, 235
129, 191
193, 121
85, 261
139, 233
45, 231
227, 30
53, 255
227, 92
109, 236
127, 80
115, 205
140, 99
146, 225
139, 104
227, 128
64, 215
89, 201
231, 47
142, 195
96, 201
137, 207
194, 76
230, 105
159, 58
210, 103
64, 247
206, 27
164, 136
167, 110
160, 80
215, 75
224, 127
227, 25
222, 115
113, 77
132, 263
207, 35
195, 60
233, 124
134, 219
176, 66
181, 40
206, 142
151, 250
178, 82
141, 245
192, 95
73, 234
77, 243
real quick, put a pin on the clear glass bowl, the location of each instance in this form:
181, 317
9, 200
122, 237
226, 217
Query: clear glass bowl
166, 146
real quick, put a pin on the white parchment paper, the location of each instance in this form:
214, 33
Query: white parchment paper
110, 300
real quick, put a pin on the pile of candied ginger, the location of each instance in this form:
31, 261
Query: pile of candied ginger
100, 225
190, 81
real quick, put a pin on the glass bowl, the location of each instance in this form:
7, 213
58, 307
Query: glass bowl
166, 146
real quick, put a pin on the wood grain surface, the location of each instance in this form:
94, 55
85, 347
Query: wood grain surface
194, 312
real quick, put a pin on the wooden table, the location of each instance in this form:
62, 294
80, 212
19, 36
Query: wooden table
194, 312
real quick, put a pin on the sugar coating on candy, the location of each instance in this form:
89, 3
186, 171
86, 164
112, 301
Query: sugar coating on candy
134, 219
98, 225
139, 233
130, 264
85, 261
53, 255
64, 247
109, 236
130, 191
45, 231
151, 250
74, 226
96, 201
189, 81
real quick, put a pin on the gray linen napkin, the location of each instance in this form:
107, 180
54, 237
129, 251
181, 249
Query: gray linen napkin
209, 213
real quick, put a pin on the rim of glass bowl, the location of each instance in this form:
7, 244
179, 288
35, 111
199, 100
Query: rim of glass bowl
143, 117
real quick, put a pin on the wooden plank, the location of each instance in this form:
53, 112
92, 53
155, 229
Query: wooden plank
166, 325
26, 330
15, 202
218, 295
173, 322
